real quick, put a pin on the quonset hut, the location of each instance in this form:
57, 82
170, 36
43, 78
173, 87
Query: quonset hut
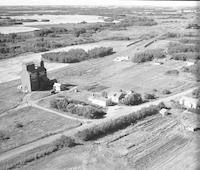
34, 77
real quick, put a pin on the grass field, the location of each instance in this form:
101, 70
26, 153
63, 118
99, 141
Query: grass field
9, 98
29, 124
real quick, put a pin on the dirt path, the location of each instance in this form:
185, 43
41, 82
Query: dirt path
72, 132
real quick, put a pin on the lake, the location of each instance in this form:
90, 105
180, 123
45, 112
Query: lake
59, 19
54, 19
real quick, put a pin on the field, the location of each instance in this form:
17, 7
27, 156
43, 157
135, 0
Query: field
29, 124
154, 143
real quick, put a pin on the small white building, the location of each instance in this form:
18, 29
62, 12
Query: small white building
189, 102
100, 101
122, 58
56, 87
164, 112
189, 63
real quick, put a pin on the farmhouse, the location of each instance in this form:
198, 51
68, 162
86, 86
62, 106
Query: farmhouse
100, 101
116, 96
189, 102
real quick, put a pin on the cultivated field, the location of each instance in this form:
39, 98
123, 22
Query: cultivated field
154, 143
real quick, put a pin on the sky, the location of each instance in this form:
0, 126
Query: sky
126, 3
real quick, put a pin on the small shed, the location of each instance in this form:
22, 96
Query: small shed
56, 87
164, 112
122, 58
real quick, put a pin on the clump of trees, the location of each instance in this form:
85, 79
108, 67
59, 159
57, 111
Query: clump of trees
148, 55
50, 31
184, 51
132, 99
77, 55
139, 21
77, 108
186, 56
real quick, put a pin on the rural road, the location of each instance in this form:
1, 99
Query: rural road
113, 112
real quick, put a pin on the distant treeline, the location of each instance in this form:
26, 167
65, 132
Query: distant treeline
54, 37
77, 55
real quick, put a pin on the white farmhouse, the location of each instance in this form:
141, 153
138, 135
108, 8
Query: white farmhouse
100, 101
189, 102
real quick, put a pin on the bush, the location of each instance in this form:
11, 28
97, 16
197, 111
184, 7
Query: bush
77, 107
196, 93
77, 55
116, 124
172, 72
148, 55
132, 99
4, 135
64, 141
166, 91
149, 96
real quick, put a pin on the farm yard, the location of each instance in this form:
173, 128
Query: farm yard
133, 98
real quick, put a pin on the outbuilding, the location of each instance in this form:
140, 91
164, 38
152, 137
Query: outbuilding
188, 102
164, 112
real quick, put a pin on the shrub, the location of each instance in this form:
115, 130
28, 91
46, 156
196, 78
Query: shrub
172, 35
148, 55
196, 93
132, 99
4, 135
165, 91
149, 96
116, 124
172, 72
64, 141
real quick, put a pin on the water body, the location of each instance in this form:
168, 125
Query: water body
53, 19
59, 19
16, 29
